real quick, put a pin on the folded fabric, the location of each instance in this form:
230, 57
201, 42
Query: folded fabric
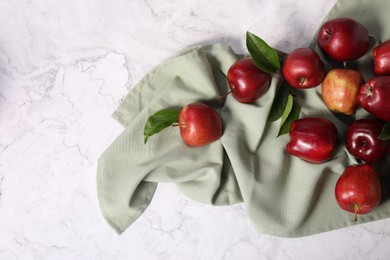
283, 195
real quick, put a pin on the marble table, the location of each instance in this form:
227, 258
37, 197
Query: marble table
64, 67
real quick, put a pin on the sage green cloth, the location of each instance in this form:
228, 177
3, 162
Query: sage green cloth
283, 195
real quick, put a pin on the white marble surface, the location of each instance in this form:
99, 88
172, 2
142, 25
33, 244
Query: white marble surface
64, 66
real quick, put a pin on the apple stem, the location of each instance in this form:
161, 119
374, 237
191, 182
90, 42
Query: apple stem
302, 80
175, 124
356, 209
223, 96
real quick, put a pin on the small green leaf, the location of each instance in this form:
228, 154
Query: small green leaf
385, 134
279, 103
265, 57
291, 117
160, 120
287, 109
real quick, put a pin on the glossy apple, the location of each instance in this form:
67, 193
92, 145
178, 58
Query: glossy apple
199, 124
312, 139
303, 68
374, 97
362, 140
340, 89
381, 54
358, 189
246, 81
343, 39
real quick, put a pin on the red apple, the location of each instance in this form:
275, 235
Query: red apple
362, 140
358, 189
246, 81
374, 97
303, 68
343, 39
381, 55
340, 89
312, 139
199, 124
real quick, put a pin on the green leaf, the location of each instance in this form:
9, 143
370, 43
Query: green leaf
287, 109
160, 120
385, 134
265, 57
279, 103
289, 118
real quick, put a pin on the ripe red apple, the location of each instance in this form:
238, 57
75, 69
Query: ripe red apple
381, 55
199, 124
358, 189
362, 140
246, 81
340, 89
374, 97
312, 139
303, 68
343, 39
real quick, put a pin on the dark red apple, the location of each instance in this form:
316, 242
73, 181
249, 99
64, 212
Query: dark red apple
199, 124
246, 81
381, 55
312, 139
374, 97
358, 189
340, 89
343, 39
303, 68
362, 140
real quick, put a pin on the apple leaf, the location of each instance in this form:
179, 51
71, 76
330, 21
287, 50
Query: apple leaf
287, 109
385, 134
290, 115
279, 103
265, 57
160, 120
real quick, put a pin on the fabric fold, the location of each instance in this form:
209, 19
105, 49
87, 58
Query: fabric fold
129, 170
